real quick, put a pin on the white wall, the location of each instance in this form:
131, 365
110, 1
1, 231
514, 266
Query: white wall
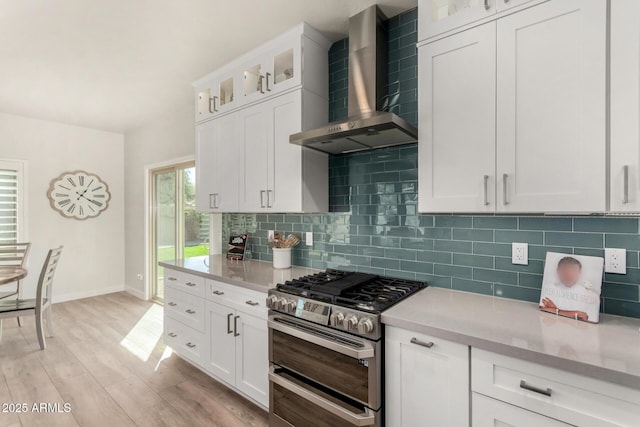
92, 262
167, 138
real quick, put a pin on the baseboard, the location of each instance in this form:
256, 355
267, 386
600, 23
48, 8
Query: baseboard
86, 294
136, 292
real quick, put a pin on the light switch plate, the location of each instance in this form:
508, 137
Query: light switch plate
270, 234
520, 253
308, 238
615, 260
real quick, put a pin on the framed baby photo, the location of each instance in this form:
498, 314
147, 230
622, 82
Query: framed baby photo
571, 286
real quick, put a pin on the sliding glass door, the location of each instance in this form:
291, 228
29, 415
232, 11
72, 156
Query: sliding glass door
177, 230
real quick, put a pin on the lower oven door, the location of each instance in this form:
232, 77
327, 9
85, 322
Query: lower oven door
294, 402
343, 363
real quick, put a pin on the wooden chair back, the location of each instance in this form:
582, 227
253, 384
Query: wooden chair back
14, 254
45, 283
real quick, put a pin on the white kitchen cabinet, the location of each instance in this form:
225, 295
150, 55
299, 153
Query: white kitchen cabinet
221, 361
216, 95
220, 328
488, 412
551, 108
217, 159
439, 16
544, 121
625, 106
278, 176
427, 380
457, 94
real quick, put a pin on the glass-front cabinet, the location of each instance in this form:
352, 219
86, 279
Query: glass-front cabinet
215, 96
440, 16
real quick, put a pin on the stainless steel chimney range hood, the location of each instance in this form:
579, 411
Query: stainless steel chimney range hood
367, 127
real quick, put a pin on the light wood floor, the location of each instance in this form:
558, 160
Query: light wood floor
96, 362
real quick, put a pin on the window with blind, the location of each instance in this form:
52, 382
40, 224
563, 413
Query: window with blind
11, 196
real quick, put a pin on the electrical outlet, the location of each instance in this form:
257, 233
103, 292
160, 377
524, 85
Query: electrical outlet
520, 253
270, 234
615, 261
308, 238
139, 276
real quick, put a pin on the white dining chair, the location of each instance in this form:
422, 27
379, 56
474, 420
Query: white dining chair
41, 305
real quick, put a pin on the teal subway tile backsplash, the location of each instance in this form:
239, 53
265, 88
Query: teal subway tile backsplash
373, 225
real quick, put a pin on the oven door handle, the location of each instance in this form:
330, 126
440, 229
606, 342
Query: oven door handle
367, 418
367, 352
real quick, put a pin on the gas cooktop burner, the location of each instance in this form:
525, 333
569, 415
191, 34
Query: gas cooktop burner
360, 291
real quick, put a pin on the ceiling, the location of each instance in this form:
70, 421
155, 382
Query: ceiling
116, 65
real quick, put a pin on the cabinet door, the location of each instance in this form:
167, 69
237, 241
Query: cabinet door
252, 358
427, 380
488, 412
284, 71
551, 104
457, 122
255, 143
222, 358
284, 160
217, 155
206, 164
625, 106
440, 16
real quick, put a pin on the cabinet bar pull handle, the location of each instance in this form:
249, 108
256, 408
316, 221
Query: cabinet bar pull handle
262, 198
269, 198
486, 190
173, 279
625, 184
507, 1
189, 284
217, 293
189, 311
268, 88
546, 392
421, 343
260, 84
252, 303
212, 105
172, 335
505, 190
212, 201
172, 304
235, 326
190, 345
487, 6
229, 331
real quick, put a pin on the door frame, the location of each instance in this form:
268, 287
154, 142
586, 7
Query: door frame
148, 215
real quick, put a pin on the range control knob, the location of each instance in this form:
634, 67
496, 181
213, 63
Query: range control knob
290, 307
272, 301
365, 326
281, 304
351, 323
336, 319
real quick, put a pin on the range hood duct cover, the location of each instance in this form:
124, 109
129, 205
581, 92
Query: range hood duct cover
367, 126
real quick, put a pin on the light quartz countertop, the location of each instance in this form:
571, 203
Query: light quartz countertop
609, 350
250, 274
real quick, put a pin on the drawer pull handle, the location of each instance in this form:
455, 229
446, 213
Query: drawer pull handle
173, 279
189, 311
229, 316
172, 335
252, 303
172, 304
217, 293
190, 284
421, 343
190, 345
545, 392
235, 326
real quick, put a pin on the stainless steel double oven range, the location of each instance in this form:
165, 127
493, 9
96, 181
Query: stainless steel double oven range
326, 344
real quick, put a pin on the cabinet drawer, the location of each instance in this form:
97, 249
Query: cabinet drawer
565, 396
184, 340
184, 282
241, 299
184, 307
488, 412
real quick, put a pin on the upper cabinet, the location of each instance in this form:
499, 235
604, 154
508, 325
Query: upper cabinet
244, 160
293, 59
625, 106
526, 91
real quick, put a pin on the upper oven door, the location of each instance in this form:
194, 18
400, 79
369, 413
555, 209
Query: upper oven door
341, 362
